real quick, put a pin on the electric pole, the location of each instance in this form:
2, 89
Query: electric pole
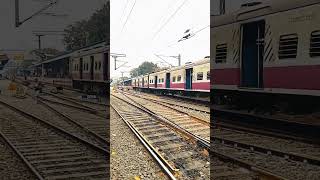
39, 41
116, 56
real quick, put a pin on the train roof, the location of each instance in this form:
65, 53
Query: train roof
259, 8
188, 65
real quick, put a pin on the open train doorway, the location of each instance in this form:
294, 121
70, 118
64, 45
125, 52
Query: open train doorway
81, 68
91, 67
168, 80
252, 54
156, 81
106, 66
189, 78
142, 82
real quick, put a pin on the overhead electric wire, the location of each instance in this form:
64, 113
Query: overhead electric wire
128, 16
201, 29
169, 7
124, 10
171, 17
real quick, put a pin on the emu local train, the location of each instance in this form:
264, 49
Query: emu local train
90, 68
189, 79
268, 49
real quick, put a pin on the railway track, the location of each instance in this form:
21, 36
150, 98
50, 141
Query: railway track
192, 109
181, 158
49, 151
74, 101
297, 130
94, 121
191, 124
98, 106
179, 102
287, 156
223, 166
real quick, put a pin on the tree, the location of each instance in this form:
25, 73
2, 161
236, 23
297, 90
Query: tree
145, 68
83, 33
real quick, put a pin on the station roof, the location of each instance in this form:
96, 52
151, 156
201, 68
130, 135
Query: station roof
68, 54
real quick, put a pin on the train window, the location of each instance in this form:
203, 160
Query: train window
99, 65
221, 53
173, 79
200, 76
162, 79
288, 46
208, 75
179, 78
315, 44
95, 65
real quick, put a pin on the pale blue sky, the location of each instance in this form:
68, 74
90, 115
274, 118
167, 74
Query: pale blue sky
138, 40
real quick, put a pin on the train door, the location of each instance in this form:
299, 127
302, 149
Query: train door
81, 68
252, 54
106, 66
189, 78
91, 67
142, 85
156, 81
168, 80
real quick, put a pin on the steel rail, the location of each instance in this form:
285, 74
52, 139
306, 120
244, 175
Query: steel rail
206, 144
48, 124
180, 111
26, 162
198, 139
164, 101
164, 165
75, 122
302, 131
78, 100
68, 105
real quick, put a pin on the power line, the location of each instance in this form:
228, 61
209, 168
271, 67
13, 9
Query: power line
124, 10
162, 17
128, 16
176, 11
201, 29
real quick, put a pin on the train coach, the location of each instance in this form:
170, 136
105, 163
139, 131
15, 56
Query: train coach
191, 79
89, 68
267, 51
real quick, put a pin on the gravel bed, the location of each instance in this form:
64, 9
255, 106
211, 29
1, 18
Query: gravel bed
11, 166
129, 159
